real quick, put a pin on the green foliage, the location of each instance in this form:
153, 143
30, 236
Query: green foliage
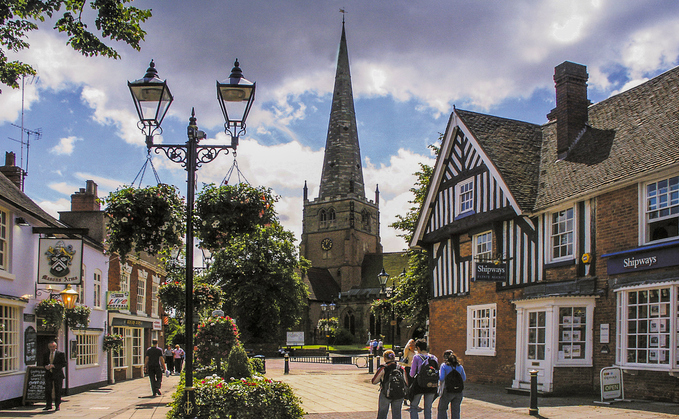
112, 342
51, 311
206, 297
329, 327
252, 398
147, 219
262, 290
215, 338
223, 212
238, 364
344, 337
114, 21
257, 365
78, 316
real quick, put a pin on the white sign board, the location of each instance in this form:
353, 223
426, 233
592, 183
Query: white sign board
60, 261
611, 384
295, 339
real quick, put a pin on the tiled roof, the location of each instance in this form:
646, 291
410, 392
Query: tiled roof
322, 286
13, 196
631, 133
513, 147
393, 264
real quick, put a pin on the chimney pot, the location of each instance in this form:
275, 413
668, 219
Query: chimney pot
571, 103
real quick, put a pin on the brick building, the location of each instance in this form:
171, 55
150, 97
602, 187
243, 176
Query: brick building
555, 247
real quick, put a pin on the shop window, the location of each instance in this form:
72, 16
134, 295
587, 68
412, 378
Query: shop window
88, 349
137, 348
9, 338
572, 332
647, 327
120, 355
481, 329
661, 208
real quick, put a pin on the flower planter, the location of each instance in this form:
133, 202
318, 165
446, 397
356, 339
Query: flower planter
52, 313
112, 342
78, 317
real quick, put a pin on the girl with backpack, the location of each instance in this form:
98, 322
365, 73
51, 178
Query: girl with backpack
451, 384
391, 378
422, 383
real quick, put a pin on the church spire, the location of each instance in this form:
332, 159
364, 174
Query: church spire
342, 170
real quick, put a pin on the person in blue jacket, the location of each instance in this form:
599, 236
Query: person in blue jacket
449, 398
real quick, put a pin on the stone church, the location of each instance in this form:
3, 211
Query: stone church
341, 230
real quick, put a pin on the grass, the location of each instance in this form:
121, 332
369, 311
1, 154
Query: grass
331, 348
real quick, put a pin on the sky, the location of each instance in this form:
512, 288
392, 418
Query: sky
411, 62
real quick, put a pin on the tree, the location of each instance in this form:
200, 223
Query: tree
114, 21
411, 296
262, 289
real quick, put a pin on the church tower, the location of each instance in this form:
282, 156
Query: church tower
341, 226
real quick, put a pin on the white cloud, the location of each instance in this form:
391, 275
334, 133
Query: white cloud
65, 146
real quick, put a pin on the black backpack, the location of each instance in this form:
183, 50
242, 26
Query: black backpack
454, 382
428, 375
395, 386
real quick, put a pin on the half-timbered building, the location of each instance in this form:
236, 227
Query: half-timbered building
555, 247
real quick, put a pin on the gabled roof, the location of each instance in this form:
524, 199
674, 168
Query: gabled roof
513, 148
14, 197
631, 133
322, 286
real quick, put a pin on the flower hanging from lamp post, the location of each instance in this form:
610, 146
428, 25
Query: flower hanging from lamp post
152, 99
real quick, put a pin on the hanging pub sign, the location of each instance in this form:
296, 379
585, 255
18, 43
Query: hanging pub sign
491, 272
60, 261
116, 300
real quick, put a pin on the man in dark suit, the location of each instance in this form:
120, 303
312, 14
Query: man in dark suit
54, 362
153, 362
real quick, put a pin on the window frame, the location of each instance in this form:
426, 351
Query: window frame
5, 240
87, 344
96, 289
474, 320
475, 246
549, 232
125, 278
624, 316
141, 291
155, 302
119, 357
465, 205
645, 231
11, 338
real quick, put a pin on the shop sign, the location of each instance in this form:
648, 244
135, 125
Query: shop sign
157, 324
60, 261
491, 272
117, 321
643, 261
116, 300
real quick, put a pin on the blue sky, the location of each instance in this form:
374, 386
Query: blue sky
411, 61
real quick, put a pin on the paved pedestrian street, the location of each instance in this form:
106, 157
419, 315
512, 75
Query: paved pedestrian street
337, 392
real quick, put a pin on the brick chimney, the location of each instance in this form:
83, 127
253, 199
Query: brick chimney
12, 172
86, 198
571, 104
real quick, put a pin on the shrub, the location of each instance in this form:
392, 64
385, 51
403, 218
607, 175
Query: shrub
214, 339
238, 364
344, 337
257, 365
253, 398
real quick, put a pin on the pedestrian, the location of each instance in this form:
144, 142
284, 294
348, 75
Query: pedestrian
380, 348
421, 362
407, 360
178, 359
450, 396
153, 362
169, 357
54, 362
395, 397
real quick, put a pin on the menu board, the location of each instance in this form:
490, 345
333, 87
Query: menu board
34, 387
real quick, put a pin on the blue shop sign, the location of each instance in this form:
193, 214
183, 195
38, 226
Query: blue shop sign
643, 259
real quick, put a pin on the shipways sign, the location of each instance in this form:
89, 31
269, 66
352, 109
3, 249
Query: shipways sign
491, 272
60, 261
643, 260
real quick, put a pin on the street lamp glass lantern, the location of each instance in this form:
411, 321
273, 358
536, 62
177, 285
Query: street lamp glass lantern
69, 296
383, 277
236, 96
152, 98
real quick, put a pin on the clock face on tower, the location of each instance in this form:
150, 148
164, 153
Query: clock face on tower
326, 244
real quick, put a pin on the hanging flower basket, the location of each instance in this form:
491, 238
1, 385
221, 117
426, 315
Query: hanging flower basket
78, 317
112, 342
381, 308
52, 313
173, 296
228, 210
207, 297
145, 219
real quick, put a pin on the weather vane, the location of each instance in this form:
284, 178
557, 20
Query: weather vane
344, 12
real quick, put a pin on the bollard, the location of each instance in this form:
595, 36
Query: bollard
533, 411
287, 364
370, 364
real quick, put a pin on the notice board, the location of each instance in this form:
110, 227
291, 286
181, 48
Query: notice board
34, 387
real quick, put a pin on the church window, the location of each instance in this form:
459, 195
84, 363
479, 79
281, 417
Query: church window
331, 217
323, 219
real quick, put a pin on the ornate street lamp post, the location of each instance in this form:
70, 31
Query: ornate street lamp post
69, 297
383, 277
152, 99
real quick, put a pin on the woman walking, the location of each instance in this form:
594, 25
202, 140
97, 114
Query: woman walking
392, 390
178, 359
422, 361
169, 358
451, 394
407, 361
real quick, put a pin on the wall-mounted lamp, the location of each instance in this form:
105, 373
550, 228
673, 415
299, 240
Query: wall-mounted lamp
21, 221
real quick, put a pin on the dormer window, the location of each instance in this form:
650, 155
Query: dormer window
661, 209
